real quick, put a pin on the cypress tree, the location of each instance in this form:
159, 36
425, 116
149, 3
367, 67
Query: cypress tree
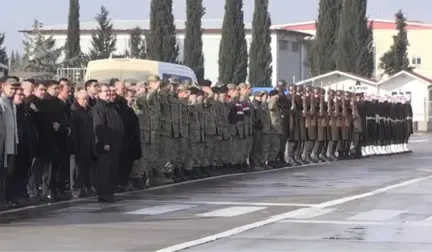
72, 47
353, 38
322, 54
3, 52
233, 57
193, 55
396, 59
260, 68
162, 43
12, 62
137, 44
103, 39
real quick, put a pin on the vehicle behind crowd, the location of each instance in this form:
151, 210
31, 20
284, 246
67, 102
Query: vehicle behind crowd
136, 70
3, 70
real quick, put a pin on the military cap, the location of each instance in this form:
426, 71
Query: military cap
12, 82
231, 86
273, 93
205, 83
182, 87
193, 90
174, 80
215, 90
223, 89
200, 92
242, 85
219, 84
258, 93
153, 77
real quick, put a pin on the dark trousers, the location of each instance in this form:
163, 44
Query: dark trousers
39, 166
125, 168
283, 143
63, 175
15, 188
106, 173
3, 174
81, 173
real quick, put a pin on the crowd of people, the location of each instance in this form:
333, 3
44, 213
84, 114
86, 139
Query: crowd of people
58, 142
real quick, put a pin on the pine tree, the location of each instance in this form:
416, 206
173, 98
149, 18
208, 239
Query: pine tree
233, 56
353, 38
137, 44
396, 59
104, 39
162, 43
321, 58
193, 55
40, 52
72, 47
12, 60
3, 52
260, 57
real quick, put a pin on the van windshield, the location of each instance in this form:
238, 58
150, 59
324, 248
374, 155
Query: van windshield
182, 79
125, 75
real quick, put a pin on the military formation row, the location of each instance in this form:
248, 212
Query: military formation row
196, 131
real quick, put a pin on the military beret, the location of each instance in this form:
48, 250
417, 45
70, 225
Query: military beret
231, 86
193, 90
273, 93
215, 90
153, 77
223, 89
200, 92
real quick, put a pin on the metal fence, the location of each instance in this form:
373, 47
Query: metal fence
73, 74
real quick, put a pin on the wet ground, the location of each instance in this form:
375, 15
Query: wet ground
380, 203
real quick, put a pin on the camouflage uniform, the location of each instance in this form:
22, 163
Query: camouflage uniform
201, 155
236, 129
260, 143
223, 119
248, 125
184, 127
167, 152
192, 159
275, 130
212, 136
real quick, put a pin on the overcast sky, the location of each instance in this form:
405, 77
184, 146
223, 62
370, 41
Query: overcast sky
19, 14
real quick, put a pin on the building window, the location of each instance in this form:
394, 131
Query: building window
283, 45
416, 60
295, 47
394, 93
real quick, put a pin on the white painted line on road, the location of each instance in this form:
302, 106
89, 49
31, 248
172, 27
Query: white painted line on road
376, 215
163, 209
231, 211
314, 212
365, 223
291, 214
371, 193
419, 141
236, 203
425, 170
428, 219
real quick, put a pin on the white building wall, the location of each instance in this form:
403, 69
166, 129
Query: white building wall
288, 63
405, 85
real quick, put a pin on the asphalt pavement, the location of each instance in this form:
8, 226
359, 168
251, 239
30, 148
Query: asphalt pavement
379, 203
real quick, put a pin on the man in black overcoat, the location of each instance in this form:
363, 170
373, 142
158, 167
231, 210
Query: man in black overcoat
108, 130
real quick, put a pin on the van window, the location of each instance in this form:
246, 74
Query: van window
129, 75
182, 79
